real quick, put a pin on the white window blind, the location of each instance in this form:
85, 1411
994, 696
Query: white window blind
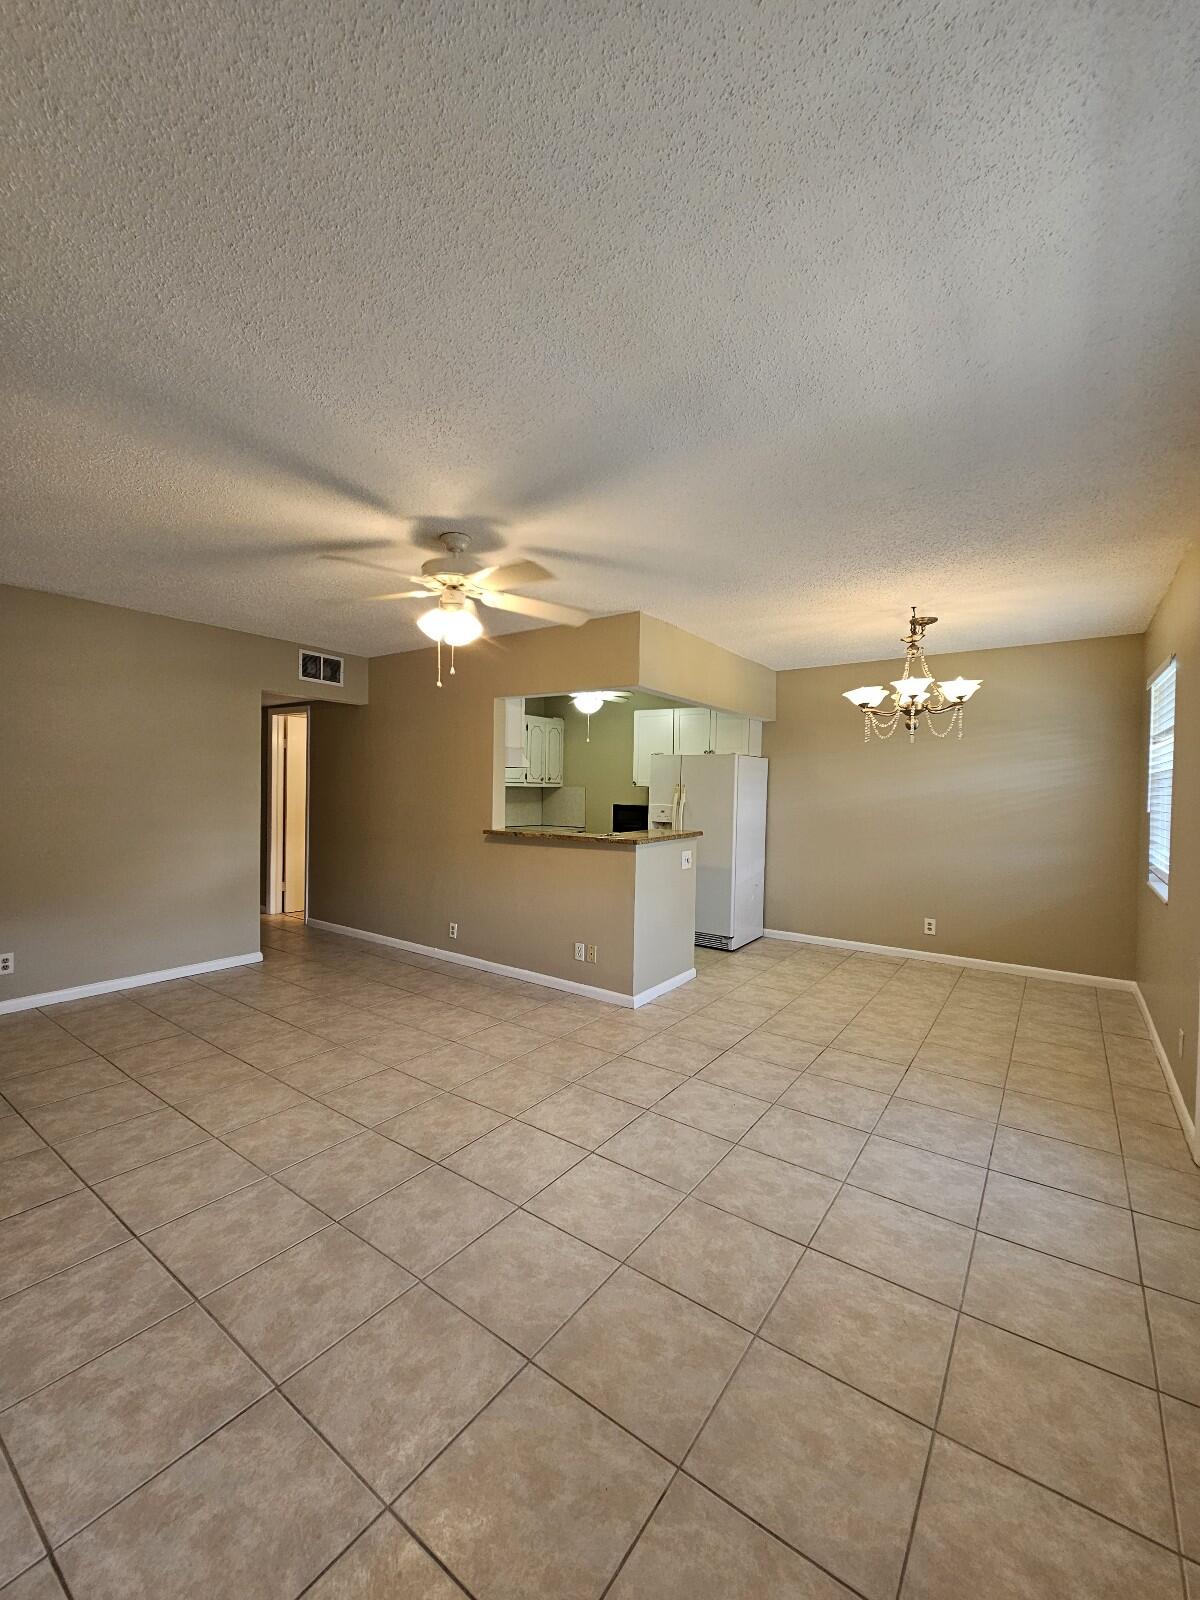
1160, 767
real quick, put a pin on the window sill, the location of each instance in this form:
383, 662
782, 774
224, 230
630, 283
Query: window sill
1160, 889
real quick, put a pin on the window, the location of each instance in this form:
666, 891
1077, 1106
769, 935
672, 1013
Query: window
1159, 771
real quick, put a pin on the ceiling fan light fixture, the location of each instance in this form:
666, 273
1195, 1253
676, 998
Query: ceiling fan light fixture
588, 702
454, 624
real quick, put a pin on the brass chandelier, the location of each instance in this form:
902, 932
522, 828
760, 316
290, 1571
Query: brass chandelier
915, 695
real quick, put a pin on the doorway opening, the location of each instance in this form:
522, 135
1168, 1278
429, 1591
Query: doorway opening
287, 812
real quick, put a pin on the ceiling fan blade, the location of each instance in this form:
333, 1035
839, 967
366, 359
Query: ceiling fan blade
514, 576
376, 566
543, 610
402, 594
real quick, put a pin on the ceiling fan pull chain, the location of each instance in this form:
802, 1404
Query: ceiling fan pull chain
439, 650
451, 660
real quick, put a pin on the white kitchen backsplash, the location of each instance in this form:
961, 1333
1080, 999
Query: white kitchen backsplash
522, 808
563, 808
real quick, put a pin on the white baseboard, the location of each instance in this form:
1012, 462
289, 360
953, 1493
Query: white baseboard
1186, 1122
954, 961
590, 991
139, 980
659, 989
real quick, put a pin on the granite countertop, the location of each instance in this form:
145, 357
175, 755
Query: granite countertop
628, 840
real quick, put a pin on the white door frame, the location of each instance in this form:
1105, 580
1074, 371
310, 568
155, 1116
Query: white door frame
275, 810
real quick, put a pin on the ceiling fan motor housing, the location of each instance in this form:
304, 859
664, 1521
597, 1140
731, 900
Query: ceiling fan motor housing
456, 563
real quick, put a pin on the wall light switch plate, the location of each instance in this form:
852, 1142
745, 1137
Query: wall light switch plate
580, 953
7, 964
687, 860
930, 924
454, 930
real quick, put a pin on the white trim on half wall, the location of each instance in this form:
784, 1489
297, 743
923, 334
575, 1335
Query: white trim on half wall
953, 961
590, 991
139, 980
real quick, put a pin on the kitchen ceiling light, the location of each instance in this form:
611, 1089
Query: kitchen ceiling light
914, 695
588, 701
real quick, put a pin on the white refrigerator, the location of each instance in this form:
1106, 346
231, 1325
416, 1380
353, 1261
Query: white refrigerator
726, 798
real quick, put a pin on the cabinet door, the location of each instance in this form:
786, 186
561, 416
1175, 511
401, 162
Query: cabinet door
653, 735
514, 730
554, 752
535, 749
693, 730
731, 734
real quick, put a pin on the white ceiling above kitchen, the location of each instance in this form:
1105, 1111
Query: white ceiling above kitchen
767, 319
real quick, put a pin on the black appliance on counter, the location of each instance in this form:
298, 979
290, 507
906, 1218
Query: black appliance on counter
630, 819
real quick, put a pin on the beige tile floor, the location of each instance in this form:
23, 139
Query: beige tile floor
358, 1274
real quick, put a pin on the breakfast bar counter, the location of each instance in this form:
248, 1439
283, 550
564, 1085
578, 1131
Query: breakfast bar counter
619, 841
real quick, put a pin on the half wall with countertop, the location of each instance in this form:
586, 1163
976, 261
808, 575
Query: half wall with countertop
404, 790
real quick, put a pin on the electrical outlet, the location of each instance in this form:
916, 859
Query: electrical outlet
591, 954
454, 930
687, 860
930, 924
7, 964
580, 953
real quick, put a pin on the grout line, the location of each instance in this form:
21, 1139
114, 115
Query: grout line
937, 1416
817, 978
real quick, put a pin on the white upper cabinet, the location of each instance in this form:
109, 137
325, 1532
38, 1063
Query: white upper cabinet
540, 754
535, 750
514, 731
693, 730
653, 735
554, 752
731, 734
690, 731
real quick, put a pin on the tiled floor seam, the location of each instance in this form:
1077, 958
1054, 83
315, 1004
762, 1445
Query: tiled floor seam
31, 1511
933, 1431
273, 1388
684, 1196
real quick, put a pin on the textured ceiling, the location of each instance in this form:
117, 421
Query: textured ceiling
767, 319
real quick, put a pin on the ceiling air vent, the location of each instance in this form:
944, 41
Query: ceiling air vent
316, 668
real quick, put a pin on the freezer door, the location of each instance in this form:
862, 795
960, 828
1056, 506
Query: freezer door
664, 776
710, 782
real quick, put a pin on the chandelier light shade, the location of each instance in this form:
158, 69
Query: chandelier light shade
916, 695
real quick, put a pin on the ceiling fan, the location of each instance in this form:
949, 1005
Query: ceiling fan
458, 581
589, 701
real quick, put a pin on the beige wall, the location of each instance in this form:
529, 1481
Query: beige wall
1168, 957
403, 790
684, 667
1020, 839
130, 768
603, 765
